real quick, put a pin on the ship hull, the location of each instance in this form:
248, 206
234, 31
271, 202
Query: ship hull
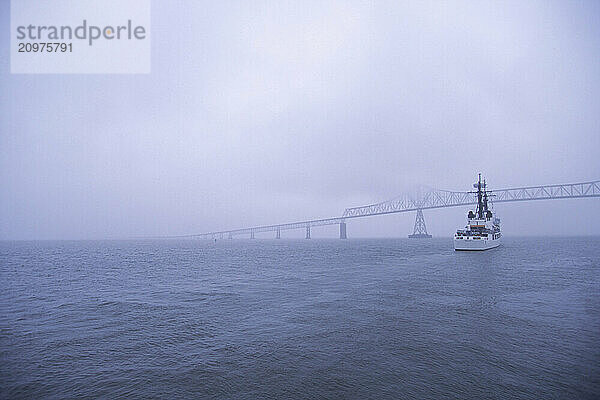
475, 245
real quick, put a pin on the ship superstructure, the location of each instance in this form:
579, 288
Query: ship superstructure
482, 231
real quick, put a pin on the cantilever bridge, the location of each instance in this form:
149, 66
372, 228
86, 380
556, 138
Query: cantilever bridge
428, 199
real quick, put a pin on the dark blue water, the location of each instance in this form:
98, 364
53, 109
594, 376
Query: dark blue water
300, 319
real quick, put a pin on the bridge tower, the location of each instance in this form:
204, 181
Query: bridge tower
252, 234
343, 230
420, 231
307, 231
278, 234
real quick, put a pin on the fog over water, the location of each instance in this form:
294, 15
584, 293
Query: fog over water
270, 112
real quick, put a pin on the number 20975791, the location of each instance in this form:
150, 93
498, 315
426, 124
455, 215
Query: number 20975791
45, 47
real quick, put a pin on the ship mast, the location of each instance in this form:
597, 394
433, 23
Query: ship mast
485, 197
479, 203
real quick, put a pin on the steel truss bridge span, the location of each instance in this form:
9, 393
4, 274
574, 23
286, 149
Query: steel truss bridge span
427, 199
435, 198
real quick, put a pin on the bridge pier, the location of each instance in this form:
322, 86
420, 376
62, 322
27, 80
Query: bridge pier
278, 234
307, 231
343, 231
420, 230
230, 235
252, 234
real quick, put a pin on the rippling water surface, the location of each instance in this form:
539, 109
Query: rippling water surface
300, 319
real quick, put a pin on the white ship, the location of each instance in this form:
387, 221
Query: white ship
483, 227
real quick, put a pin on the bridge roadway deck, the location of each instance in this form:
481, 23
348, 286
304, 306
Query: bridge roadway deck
431, 199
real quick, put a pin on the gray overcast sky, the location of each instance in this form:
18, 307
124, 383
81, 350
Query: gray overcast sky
268, 112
